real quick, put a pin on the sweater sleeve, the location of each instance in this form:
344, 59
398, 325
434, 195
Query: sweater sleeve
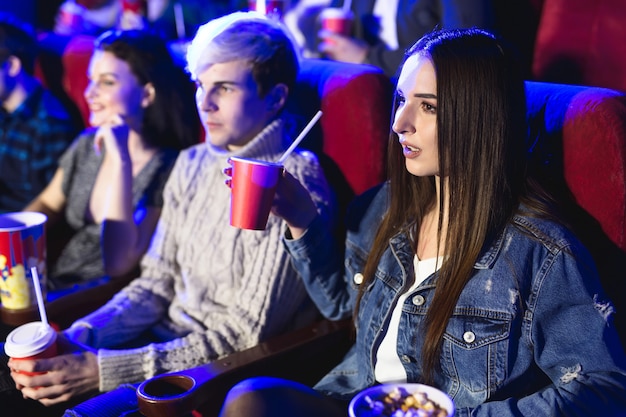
269, 296
138, 306
267, 299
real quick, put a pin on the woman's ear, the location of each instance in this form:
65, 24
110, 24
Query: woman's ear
277, 97
148, 95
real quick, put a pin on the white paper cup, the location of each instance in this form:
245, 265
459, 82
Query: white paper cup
34, 340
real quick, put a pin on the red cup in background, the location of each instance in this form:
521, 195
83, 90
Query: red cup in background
134, 15
337, 20
136, 6
253, 185
69, 19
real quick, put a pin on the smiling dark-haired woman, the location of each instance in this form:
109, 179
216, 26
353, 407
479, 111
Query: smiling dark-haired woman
109, 183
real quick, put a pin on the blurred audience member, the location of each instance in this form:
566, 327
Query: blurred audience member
384, 29
87, 17
108, 187
172, 19
35, 128
180, 19
302, 20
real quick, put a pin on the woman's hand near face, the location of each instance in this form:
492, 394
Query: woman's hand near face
113, 136
292, 202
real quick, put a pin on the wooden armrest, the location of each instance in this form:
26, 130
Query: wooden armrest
66, 308
304, 355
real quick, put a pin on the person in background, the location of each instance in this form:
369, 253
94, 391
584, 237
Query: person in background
458, 270
163, 16
35, 128
206, 288
108, 187
384, 29
87, 17
172, 19
302, 19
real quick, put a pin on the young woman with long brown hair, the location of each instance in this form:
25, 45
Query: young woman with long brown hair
457, 269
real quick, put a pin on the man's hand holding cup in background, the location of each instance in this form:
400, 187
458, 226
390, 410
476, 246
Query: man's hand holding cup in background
335, 34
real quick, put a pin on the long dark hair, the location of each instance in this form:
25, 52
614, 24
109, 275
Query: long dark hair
172, 119
482, 135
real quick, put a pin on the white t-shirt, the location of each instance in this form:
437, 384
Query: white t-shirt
387, 11
388, 368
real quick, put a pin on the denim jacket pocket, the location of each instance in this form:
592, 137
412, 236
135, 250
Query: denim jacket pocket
475, 352
354, 264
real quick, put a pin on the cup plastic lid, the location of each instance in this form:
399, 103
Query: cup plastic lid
29, 339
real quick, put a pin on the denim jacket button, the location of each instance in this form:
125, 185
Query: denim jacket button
469, 337
358, 278
418, 300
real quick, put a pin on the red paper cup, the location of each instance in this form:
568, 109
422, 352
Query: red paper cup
337, 20
22, 246
252, 192
34, 340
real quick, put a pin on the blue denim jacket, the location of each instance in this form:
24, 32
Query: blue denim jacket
531, 334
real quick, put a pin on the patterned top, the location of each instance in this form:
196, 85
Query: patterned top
81, 258
31, 140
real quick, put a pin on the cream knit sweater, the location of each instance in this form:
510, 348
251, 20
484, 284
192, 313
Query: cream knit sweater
206, 288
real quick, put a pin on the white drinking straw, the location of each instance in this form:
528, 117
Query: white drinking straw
300, 137
346, 5
42, 308
179, 20
260, 6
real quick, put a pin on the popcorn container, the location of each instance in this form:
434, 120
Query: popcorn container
22, 246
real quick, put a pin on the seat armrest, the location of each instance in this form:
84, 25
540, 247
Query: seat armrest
303, 355
62, 309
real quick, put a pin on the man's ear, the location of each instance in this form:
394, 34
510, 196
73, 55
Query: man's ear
148, 95
13, 65
277, 97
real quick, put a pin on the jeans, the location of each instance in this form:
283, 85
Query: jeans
119, 402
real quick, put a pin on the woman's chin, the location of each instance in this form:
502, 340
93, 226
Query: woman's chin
95, 121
